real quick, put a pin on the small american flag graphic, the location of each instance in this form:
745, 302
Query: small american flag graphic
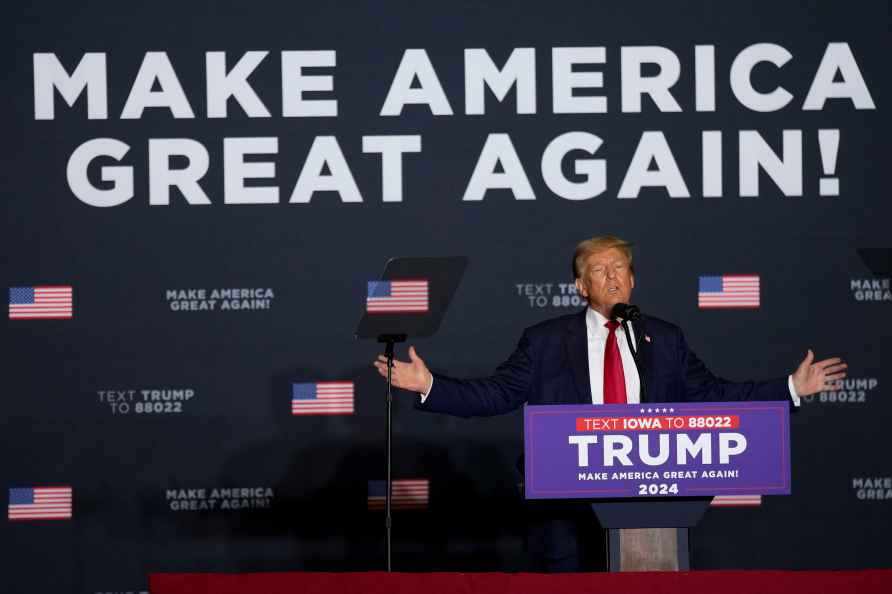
736, 501
39, 503
322, 398
729, 291
397, 296
406, 494
48, 303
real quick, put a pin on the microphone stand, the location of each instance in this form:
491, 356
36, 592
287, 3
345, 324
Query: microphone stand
642, 397
389, 341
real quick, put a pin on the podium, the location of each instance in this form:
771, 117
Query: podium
651, 470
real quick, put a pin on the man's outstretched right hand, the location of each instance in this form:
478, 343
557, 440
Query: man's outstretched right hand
412, 375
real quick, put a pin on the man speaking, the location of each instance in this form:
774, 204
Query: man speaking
585, 358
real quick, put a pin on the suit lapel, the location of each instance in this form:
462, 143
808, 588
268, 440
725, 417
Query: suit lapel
577, 354
645, 354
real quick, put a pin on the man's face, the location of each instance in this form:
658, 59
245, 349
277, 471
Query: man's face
606, 280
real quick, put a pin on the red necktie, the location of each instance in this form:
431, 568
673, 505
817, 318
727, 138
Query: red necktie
614, 379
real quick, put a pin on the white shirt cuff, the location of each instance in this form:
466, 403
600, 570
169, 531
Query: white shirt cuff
796, 400
425, 394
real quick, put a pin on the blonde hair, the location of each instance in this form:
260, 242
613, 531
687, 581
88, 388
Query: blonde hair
599, 243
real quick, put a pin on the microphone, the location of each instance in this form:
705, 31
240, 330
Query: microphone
626, 311
631, 313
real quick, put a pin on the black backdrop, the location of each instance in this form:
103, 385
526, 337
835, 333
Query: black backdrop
823, 262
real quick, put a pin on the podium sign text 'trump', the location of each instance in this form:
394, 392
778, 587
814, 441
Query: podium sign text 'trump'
683, 449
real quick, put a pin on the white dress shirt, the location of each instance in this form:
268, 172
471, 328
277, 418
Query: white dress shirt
596, 333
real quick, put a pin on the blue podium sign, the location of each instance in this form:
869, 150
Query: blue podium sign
665, 450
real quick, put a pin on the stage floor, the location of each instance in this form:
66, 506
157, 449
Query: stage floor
695, 582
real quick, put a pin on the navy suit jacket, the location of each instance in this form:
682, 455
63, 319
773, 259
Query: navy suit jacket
550, 366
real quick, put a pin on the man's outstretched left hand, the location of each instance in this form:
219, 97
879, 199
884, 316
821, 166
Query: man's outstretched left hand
815, 376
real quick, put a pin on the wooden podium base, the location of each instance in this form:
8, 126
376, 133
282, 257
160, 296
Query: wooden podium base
648, 549
651, 534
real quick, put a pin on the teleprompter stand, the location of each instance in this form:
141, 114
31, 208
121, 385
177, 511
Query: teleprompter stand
394, 326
